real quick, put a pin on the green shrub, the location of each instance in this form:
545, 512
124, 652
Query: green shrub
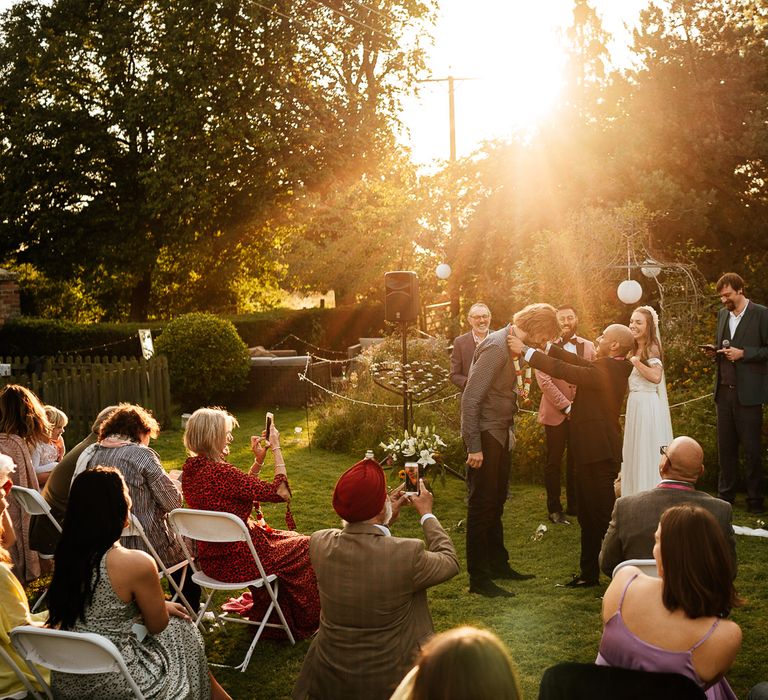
207, 359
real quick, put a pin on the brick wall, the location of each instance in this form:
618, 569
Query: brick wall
10, 305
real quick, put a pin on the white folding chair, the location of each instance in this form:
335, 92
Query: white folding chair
647, 566
29, 690
213, 526
70, 652
135, 529
33, 503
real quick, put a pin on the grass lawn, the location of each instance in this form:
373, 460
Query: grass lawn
543, 625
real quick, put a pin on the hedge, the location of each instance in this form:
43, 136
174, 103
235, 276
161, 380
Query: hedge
333, 329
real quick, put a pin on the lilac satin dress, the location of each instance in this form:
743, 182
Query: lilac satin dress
619, 647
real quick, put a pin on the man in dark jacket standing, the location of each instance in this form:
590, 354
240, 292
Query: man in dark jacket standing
596, 441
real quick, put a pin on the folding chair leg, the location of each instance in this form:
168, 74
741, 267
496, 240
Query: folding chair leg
39, 601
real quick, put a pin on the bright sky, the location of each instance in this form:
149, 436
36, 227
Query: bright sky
514, 50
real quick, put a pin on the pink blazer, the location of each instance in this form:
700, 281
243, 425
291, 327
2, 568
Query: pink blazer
556, 394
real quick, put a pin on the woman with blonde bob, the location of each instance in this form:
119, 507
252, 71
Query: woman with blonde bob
676, 623
210, 482
465, 663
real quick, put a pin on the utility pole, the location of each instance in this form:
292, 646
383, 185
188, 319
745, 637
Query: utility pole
453, 280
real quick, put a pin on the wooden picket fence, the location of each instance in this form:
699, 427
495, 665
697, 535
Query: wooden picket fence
82, 386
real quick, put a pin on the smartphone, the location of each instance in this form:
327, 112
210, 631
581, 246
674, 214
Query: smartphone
270, 420
707, 346
411, 479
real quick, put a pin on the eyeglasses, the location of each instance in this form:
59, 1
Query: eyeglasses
480, 316
663, 451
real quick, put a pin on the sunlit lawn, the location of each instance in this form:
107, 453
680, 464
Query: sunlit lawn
542, 625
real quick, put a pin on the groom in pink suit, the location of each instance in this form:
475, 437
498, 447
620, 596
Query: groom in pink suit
556, 398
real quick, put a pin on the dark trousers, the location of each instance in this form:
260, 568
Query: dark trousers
739, 425
557, 441
487, 491
190, 589
595, 494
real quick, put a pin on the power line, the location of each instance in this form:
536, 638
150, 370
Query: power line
356, 21
305, 27
381, 14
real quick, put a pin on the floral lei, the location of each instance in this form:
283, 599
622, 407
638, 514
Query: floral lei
523, 381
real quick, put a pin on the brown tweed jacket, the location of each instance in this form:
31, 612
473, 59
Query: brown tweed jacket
374, 613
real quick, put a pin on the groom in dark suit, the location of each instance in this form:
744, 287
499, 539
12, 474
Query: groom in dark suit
595, 430
741, 388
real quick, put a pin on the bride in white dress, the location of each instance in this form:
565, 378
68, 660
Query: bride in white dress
648, 425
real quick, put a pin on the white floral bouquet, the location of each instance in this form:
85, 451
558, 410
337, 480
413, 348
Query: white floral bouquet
420, 445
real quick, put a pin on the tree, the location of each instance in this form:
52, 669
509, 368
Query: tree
137, 135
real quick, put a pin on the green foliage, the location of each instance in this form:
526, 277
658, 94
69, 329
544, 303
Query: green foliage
355, 427
207, 360
330, 329
145, 143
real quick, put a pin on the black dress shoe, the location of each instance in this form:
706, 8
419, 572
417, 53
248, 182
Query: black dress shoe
755, 509
559, 518
578, 582
489, 589
510, 574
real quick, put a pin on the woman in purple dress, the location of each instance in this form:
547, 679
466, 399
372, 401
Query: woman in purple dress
676, 623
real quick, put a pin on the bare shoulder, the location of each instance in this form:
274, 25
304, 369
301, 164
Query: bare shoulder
728, 632
122, 561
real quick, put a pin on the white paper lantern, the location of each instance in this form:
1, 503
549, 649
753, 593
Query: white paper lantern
443, 271
629, 291
650, 268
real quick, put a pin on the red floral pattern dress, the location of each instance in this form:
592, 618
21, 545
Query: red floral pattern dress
220, 486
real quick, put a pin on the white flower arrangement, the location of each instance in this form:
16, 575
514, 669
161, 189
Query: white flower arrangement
420, 445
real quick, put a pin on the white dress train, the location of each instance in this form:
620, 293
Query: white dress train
647, 427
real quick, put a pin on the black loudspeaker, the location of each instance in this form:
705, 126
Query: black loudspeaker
401, 299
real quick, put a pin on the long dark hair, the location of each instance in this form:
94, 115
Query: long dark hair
96, 514
697, 563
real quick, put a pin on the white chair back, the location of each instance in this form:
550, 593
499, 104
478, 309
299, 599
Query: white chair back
647, 566
70, 652
33, 503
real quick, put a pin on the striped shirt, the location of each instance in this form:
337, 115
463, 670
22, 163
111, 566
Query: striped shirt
152, 492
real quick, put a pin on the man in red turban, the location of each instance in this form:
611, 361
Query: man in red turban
373, 589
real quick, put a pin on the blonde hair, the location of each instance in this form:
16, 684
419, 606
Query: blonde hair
206, 432
538, 319
56, 417
465, 662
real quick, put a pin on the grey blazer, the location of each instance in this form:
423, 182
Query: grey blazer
635, 519
489, 401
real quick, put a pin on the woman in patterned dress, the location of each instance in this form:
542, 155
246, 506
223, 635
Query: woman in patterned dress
99, 586
124, 444
209, 482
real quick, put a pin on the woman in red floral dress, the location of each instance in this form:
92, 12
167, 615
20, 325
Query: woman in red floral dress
211, 483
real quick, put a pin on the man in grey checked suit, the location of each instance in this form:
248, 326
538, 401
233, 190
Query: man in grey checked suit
488, 407
635, 518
